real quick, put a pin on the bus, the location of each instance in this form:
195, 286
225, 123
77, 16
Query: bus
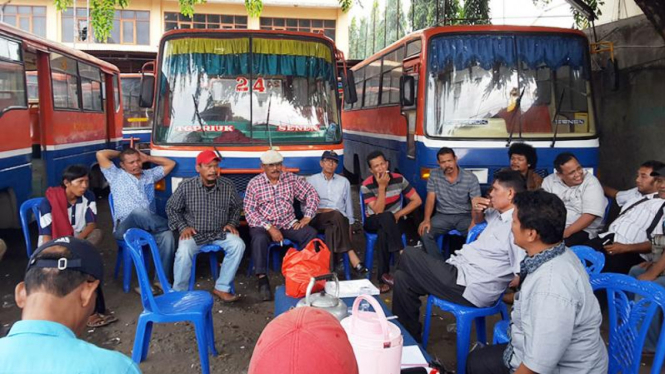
242, 92
58, 106
477, 90
137, 122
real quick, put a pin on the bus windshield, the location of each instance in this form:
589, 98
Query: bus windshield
529, 86
246, 91
135, 116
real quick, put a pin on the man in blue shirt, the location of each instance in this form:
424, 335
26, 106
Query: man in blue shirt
133, 192
58, 294
335, 213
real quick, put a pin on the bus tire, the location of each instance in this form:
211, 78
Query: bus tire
8, 210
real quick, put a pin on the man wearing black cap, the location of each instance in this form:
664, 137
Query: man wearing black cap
61, 286
335, 212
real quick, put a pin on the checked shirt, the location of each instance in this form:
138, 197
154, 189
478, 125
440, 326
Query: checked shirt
267, 204
205, 210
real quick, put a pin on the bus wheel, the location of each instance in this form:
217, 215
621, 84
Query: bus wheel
8, 210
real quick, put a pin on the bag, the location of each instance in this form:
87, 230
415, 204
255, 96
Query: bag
299, 266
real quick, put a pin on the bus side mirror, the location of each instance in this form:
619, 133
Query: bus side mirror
147, 94
407, 89
349, 85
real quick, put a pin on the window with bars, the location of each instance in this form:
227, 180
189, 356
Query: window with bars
27, 18
326, 27
173, 21
129, 27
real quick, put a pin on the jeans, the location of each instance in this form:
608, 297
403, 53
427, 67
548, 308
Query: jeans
654, 329
144, 219
233, 247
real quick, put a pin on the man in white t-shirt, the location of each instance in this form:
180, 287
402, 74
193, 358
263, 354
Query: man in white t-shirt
645, 185
582, 195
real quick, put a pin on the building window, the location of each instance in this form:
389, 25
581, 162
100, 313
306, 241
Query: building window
326, 27
129, 27
173, 21
27, 18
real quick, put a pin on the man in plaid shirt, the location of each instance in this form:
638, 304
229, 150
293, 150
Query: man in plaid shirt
206, 210
270, 214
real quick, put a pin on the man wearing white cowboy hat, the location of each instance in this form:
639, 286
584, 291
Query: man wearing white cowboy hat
270, 213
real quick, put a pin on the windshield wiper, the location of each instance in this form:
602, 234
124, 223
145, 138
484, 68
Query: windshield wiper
556, 114
198, 117
512, 118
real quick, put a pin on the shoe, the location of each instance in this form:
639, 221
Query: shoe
137, 289
226, 297
360, 269
383, 288
388, 279
100, 320
264, 291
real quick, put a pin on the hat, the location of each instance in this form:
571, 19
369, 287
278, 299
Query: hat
206, 157
330, 155
271, 157
84, 257
301, 340
658, 172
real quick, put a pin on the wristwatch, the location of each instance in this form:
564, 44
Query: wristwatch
267, 226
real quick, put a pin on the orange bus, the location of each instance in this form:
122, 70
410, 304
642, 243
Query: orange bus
475, 89
58, 106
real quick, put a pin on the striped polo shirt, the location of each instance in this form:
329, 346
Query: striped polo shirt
397, 186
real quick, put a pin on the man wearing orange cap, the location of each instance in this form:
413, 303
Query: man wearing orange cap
206, 210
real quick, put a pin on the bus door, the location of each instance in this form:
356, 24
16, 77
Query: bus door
408, 102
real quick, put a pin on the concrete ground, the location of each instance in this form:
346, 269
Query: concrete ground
173, 347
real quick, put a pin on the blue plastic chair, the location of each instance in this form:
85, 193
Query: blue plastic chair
172, 306
443, 242
345, 258
29, 208
123, 256
273, 248
592, 260
464, 315
629, 320
370, 239
501, 333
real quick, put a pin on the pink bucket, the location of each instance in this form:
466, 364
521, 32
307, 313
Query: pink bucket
376, 342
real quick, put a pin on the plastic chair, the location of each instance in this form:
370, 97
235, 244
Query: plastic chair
464, 315
592, 260
276, 258
123, 256
501, 334
630, 319
172, 306
370, 239
211, 250
28, 208
443, 242
345, 259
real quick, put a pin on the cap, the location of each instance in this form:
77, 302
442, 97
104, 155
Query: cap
84, 257
330, 155
206, 157
271, 157
300, 340
658, 172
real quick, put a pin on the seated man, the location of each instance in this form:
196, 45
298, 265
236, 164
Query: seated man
523, 158
451, 189
270, 214
58, 294
382, 193
335, 213
627, 240
644, 186
475, 275
133, 192
583, 196
70, 210
556, 318
206, 210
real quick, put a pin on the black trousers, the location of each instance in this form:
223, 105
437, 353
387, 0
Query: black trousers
420, 274
261, 239
578, 238
389, 238
487, 360
617, 263
336, 229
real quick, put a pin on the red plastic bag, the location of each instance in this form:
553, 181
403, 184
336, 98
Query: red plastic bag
300, 266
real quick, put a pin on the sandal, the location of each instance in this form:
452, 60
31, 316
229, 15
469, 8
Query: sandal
99, 320
383, 288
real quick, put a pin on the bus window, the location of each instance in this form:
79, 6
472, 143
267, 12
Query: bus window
414, 47
116, 92
12, 81
360, 88
65, 80
390, 76
91, 87
372, 81
135, 116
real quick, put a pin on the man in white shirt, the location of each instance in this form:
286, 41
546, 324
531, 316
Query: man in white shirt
475, 275
582, 195
645, 185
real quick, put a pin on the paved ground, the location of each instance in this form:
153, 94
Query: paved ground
173, 347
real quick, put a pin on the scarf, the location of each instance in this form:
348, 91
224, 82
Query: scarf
60, 225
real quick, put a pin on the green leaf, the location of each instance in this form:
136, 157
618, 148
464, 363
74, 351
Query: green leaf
254, 7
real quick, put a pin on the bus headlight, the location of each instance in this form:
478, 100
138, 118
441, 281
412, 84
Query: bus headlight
160, 185
481, 174
424, 173
175, 182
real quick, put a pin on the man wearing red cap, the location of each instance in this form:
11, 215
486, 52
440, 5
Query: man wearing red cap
206, 210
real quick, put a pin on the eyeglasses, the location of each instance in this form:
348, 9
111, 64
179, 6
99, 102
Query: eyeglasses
328, 160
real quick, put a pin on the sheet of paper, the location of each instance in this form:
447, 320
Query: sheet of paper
351, 288
413, 357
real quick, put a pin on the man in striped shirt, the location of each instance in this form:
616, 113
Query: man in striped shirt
382, 195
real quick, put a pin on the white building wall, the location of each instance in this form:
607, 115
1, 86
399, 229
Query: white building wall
614, 10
